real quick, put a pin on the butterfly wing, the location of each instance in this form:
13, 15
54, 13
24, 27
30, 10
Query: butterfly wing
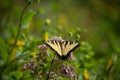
67, 47
55, 46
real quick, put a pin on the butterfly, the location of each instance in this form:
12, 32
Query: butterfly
62, 49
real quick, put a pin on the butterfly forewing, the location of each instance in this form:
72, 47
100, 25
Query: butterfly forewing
56, 46
67, 47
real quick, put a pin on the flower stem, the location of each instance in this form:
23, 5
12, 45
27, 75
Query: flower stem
50, 67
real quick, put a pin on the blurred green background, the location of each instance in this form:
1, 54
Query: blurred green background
96, 22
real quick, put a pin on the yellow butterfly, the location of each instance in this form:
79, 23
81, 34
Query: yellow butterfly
63, 49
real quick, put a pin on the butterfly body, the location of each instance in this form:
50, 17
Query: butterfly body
62, 49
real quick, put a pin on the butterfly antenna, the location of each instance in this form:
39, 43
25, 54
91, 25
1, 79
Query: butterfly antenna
50, 68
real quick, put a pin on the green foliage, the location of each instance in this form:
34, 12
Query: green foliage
27, 17
16, 75
93, 24
3, 51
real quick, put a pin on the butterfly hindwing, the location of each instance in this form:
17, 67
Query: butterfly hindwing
68, 47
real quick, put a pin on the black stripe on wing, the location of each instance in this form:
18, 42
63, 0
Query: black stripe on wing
69, 43
78, 45
55, 46
66, 43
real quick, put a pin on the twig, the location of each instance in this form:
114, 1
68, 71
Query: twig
50, 67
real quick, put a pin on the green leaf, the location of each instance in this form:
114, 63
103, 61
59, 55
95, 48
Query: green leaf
3, 50
16, 75
27, 17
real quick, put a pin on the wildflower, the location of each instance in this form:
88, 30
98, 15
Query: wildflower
70, 57
34, 67
42, 47
25, 67
19, 43
20, 48
34, 55
42, 53
68, 71
59, 39
86, 74
52, 74
46, 36
31, 66
47, 22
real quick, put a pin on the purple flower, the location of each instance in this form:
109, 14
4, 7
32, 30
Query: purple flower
25, 67
31, 66
59, 39
70, 57
42, 47
68, 71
